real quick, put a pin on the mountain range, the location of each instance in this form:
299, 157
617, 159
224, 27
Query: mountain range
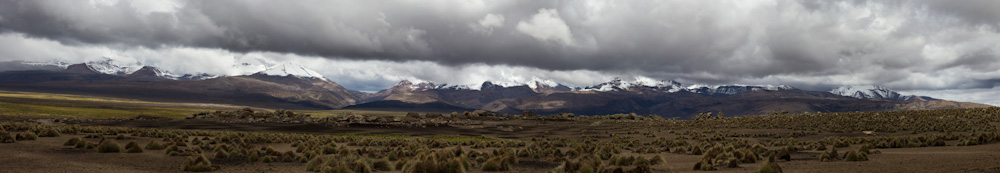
292, 86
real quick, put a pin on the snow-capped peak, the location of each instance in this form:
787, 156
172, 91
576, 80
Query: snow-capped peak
288, 69
153, 71
419, 86
868, 92
617, 84
112, 66
734, 88
534, 83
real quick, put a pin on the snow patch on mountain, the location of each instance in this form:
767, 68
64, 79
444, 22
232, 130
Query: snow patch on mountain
617, 84
733, 88
162, 73
113, 67
869, 92
289, 69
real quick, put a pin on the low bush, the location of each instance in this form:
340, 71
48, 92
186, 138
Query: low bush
5, 137
769, 167
382, 165
855, 156
657, 160
73, 141
133, 147
494, 164
153, 145
360, 166
314, 164
29, 136
48, 132
109, 147
221, 154
197, 164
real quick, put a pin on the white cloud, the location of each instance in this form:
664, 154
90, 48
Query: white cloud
486, 25
547, 26
981, 95
492, 20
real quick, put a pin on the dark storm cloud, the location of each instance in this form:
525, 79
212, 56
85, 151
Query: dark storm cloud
821, 43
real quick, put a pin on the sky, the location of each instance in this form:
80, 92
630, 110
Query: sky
943, 49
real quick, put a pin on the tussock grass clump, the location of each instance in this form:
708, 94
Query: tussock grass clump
5, 137
382, 165
657, 160
269, 159
360, 166
769, 167
197, 164
109, 147
221, 154
73, 141
29, 135
640, 169
153, 145
48, 132
825, 157
704, 165
314, 164
334, 166
494, 164
133, 147
855, 156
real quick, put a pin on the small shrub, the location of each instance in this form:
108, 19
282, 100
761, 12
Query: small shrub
783, 155
49, 132
360, 166
30, 135
197, 164
494, 164
73, 141
333, 166
769, 167
269, 159
825, 157
706, 166
221, 154
133, 147
109, 147
382, 165
638, 169
855, 156
153, 145
5, 137
657, 160
833, 153
749, 157
314, 164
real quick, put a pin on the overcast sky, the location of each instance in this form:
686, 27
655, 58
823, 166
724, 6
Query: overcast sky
945, 49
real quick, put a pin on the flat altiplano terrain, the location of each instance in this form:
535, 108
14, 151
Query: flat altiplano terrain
259, 140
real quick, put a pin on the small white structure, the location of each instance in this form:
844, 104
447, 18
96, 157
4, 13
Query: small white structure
868, 132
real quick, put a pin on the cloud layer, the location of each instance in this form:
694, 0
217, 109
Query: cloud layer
906, 45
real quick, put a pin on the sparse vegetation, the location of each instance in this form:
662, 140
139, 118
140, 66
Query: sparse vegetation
624, 142
109, 147
197, 164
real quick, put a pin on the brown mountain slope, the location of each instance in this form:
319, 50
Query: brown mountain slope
685, 104
255, 90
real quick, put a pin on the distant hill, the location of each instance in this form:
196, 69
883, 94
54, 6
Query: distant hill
291, 86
